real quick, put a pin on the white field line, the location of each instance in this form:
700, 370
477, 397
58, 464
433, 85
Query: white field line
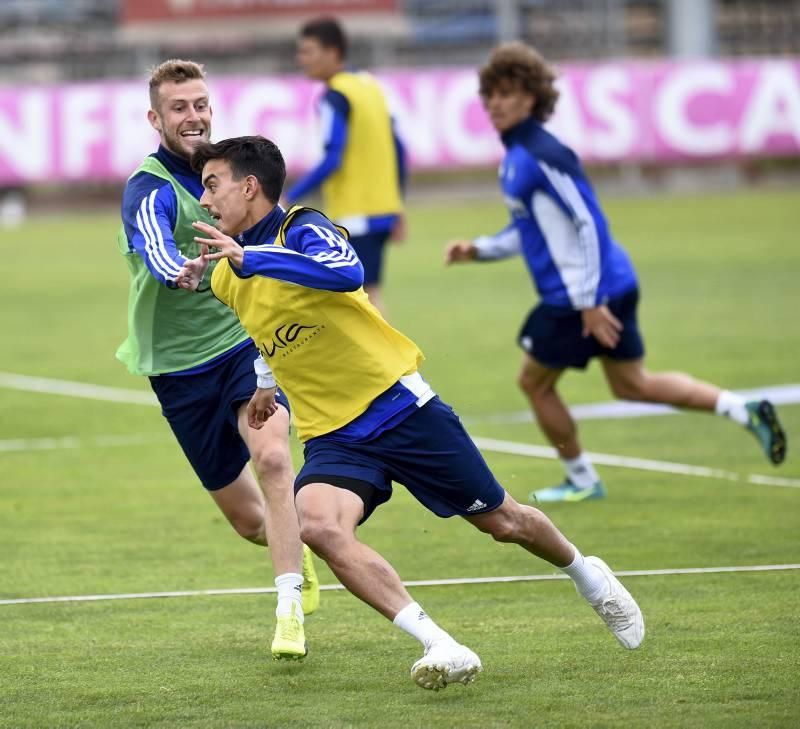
778, 395
12, 381
639, 464
409, 583
67, 442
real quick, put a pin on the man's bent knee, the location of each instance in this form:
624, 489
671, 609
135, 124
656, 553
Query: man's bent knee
273, 463
500, 524
250, 527
322, 535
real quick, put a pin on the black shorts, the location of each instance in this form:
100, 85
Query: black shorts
202, 410
429, 453
553, 335
369, 249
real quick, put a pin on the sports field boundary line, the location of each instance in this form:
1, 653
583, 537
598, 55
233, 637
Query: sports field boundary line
408, 583
21, 445
788, 394
530, 450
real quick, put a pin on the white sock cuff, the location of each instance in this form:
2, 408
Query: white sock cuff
732, 406
288, 578
411, 610
577, 561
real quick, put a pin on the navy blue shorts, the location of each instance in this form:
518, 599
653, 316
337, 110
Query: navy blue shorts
202, 411
553, 335
429, 453
369, 249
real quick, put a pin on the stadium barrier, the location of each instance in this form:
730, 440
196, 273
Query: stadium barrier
638, 112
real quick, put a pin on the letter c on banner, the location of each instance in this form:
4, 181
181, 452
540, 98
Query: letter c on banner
681, 85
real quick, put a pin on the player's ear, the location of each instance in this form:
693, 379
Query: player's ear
251, 187
155, 122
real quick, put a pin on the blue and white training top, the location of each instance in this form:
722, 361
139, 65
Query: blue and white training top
556, 223
149, 213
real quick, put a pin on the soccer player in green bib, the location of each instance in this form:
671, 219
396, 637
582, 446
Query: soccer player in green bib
199, 360
362, 409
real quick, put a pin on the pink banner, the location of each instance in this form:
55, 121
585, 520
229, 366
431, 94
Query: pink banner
610, 112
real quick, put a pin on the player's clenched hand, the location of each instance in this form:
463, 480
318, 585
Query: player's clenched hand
600, 323
226, 247
261, 407
458, 251
193, 271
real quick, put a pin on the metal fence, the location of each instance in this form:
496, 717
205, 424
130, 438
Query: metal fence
50, 40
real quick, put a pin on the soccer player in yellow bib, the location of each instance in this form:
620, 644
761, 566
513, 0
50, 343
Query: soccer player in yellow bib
358, 136
363, 411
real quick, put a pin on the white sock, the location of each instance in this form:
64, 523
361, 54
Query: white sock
289, 586
732, 406
580, 471
415, 621
589, 580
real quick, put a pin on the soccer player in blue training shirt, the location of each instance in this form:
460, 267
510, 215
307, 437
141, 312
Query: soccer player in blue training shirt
363, 170
199, 359
363, 411
587, 285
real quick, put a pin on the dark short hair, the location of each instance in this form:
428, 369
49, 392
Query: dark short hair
519, 66
255, 156
328, 32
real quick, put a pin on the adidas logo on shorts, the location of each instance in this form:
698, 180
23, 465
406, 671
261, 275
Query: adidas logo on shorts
477, 505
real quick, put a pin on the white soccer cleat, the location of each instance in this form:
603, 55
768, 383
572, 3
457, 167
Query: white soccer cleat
618, 609
446, 662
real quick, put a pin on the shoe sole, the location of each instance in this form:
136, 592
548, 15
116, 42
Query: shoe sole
777, 449
286, 655
437, 676
534, 499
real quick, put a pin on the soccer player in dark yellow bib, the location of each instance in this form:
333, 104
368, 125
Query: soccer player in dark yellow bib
362, 173
363, 411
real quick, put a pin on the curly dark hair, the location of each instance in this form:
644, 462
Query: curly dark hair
518, 66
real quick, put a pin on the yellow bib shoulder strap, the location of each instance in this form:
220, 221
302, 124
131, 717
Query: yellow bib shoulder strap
293, 212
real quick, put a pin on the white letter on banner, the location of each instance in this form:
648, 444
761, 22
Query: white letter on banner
567, 121
672, 103
604, 87
465, 146
774, 107
418, 120
81, 129
132, 138
26, 146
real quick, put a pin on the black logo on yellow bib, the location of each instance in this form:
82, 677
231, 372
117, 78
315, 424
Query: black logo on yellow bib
285, 336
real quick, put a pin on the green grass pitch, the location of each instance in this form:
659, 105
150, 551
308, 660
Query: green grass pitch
720, 300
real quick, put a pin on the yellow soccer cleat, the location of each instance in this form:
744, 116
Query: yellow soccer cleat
290, 638
309, 595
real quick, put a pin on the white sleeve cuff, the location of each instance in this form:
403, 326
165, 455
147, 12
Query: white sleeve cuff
264, 377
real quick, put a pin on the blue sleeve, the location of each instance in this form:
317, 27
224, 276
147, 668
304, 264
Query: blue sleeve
315, 256
334, 114
149, 213
400, 151
585, 243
